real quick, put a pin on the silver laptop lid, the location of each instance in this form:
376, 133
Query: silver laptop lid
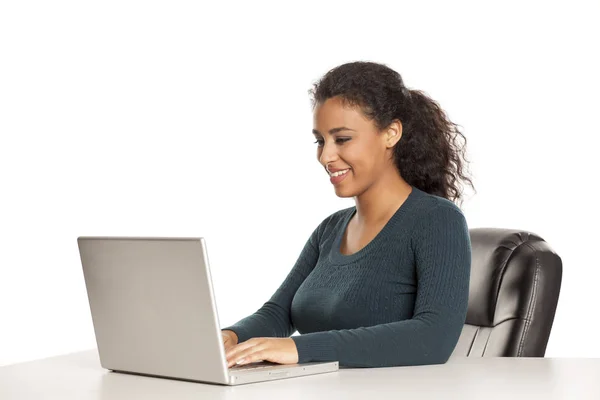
153, 306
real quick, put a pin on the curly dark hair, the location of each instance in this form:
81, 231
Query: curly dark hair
427, 154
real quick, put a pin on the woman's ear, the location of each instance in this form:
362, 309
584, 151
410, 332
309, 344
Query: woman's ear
394, 133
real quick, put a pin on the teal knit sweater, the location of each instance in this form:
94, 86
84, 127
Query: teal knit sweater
401, 300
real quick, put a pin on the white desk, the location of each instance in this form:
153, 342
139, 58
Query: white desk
79, 376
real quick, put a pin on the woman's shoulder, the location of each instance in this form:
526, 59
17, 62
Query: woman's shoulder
331, 221
433, 205
438, 218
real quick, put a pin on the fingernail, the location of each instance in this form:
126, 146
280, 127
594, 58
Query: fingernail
240, 361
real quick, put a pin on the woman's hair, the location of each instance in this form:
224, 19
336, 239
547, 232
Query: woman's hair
427, 154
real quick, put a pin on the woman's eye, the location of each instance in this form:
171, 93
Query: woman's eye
320, 142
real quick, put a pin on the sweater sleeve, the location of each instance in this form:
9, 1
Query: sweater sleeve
273, 319
442, 250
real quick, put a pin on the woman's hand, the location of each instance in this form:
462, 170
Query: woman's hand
230, 339
277, 350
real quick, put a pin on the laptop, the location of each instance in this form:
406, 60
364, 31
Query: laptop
154, 312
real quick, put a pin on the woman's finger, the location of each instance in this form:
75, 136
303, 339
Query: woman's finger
247, 354
254, 357
234, 352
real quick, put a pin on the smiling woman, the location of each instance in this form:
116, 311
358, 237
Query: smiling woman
385, 282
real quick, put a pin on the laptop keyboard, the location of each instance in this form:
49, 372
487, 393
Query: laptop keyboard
254, 366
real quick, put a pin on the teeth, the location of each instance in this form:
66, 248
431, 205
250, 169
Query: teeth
340, 172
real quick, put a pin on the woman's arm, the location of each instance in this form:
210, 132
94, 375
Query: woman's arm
273, 319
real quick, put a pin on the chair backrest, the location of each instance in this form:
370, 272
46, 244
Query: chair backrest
514, 289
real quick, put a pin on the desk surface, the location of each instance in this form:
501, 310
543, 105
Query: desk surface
80, 376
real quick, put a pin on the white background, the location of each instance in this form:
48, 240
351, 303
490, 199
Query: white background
183, 119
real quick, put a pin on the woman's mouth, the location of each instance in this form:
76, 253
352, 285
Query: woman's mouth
338, 176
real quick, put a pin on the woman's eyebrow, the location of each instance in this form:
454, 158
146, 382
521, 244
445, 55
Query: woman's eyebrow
334, 130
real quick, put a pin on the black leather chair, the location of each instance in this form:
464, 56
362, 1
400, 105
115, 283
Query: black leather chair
514, 289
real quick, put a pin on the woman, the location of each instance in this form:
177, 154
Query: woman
385, 282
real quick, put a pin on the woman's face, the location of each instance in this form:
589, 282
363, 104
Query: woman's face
347, 139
